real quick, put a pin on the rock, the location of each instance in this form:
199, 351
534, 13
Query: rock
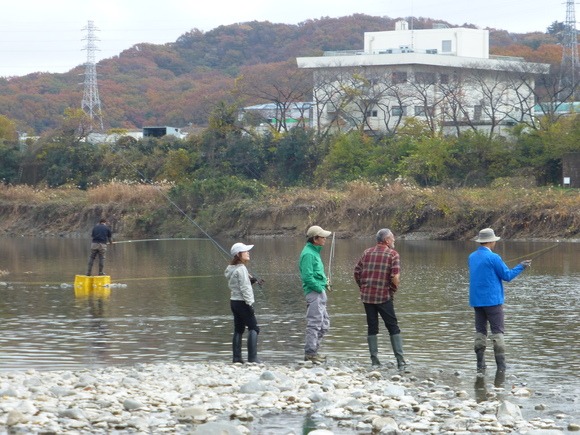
85, 381
15, 417
215, 428
268, 376
72, 413
193, 398
132, 404
385, 425
394, 391
192, 414
508, 413
544, 432
254, 387
62, 391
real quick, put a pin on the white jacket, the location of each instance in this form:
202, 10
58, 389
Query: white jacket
239, 283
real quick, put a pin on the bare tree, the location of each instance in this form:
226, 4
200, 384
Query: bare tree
282, 84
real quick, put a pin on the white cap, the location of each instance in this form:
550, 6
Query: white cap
315, 230
239, 247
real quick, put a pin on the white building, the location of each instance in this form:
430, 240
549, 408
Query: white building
277, 116
443, 76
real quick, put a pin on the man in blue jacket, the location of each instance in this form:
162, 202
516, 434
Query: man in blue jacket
487, 271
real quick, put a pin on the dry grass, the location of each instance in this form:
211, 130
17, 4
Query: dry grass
28, 194
127, 193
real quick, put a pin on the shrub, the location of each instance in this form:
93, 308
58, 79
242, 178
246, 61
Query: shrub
198, 193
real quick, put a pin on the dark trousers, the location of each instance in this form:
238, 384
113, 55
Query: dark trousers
387, 312
493, 315
243, 316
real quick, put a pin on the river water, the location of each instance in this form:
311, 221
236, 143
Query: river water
169, 302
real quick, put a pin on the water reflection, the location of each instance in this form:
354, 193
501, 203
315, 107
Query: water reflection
169, 301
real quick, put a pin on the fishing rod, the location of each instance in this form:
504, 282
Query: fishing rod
220, 248
535, 254
331, 257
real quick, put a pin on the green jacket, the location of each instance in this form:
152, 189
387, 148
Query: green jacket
312, 269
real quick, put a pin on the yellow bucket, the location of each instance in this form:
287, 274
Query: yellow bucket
86, 286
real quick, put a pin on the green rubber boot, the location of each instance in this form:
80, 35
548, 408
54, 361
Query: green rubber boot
397, 343
374, 349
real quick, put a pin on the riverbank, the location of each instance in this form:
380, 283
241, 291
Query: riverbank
359, 209
216, 397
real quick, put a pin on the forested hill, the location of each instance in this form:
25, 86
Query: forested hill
179, 83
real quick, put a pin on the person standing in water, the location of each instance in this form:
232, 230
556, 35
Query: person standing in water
487, 271
100, 235
242, 302
314, 284
378, 274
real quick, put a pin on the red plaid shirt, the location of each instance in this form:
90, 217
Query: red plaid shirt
373, 274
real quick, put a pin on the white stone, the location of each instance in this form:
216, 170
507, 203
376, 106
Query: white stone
385, 423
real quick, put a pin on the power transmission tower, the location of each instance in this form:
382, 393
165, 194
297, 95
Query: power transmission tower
91, 103
569, 66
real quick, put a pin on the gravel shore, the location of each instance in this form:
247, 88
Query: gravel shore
220, 398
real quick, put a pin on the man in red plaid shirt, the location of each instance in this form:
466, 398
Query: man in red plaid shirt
377, 274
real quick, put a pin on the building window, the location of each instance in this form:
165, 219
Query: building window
398, 110
420, 111
444, 79
372, 113
330, 107
477, 111
425, 78
446, 46
399, 77
423, 111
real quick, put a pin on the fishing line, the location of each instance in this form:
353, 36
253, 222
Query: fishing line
157, 240
165, 277
225, 253
535, 254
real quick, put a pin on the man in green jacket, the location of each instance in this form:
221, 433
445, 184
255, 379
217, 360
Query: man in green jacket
314, 284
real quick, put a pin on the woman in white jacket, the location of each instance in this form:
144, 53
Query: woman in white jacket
242, 302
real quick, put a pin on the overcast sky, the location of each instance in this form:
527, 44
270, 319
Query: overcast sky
47, 36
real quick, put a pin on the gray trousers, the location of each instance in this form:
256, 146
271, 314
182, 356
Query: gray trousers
100, 250
317, 321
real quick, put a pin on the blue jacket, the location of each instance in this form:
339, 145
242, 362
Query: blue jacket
487, 271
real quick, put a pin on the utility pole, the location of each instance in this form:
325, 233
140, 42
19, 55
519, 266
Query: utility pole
569, 66
91, 104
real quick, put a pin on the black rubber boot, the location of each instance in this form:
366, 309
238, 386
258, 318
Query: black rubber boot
397, 343
374, 349
479, 345
237, 348
480, 354
253, 347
